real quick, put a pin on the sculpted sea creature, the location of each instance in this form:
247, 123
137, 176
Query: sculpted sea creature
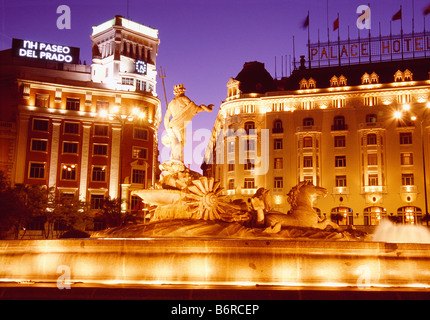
302, 214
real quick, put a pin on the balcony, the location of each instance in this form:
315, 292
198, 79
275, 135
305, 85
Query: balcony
371, 125
408, 189
339, 127
340, 190
308, 129
374, 189
277, 130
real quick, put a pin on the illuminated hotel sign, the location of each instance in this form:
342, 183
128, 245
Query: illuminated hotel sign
45, 51
370, 49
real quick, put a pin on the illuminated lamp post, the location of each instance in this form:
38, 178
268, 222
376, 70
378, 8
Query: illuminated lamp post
122, 118
413, 117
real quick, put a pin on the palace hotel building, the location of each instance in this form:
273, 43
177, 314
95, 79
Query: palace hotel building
360, 131
87, 130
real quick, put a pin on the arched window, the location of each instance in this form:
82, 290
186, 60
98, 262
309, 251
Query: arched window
407, 75
371, 118
277, 126
312, 83
250, 127
303, 84
372, 139
409, 215
398, 76
339, 123
365, 79
342, 80
343, 216
334, 81
373, 215
374, 78
308, 122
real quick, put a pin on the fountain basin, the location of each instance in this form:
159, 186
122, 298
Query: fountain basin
218, 261
159, 197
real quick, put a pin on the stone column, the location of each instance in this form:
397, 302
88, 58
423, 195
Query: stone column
21, 147
114, 179
55, 147
83, 185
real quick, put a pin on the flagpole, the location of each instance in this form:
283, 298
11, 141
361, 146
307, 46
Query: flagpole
349, 46
319, 49
338, 37
294, 54
413, 25
370, 44
401, 27
391, 41
309, 41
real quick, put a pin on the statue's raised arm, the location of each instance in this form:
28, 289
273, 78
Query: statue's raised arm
180, 111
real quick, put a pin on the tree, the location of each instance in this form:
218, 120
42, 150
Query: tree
68, 212
113, 215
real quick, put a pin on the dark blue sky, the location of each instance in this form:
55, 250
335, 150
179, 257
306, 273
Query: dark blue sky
203, 43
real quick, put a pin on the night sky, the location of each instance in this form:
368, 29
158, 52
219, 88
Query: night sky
203, 43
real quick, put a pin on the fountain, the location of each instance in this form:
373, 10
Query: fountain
196, 237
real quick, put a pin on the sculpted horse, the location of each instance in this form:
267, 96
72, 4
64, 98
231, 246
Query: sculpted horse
302, 214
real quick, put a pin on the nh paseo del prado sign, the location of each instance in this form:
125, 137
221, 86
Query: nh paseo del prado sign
45, 51
370, 49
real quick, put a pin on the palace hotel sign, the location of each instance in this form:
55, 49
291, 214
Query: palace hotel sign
370, 49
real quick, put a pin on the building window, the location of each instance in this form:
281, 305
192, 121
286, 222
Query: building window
97, 201
372, 159
231, 165
308, 122
277, 126
73, 104
371, 118
140, 85
249, 164
307, 142
278, 183
340, 161
40, 125
410, 215
68, 172
405, 137
250, 145
340, 181
371, 139
102, 106
37, 170
373, 215
100, 149
339, 123
339, 141
71, 127
138, 176
141, 134
406, 159
101, 130
249, 183
373, 180
230, 146
307, 162
39, 145
99, 174
408, 179
277, 144
140, 153
278, 163
249, 127
42, 100
70, 147
127, 81
230, 184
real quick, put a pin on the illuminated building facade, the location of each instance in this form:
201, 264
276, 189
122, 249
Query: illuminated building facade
88, 131
360, 131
